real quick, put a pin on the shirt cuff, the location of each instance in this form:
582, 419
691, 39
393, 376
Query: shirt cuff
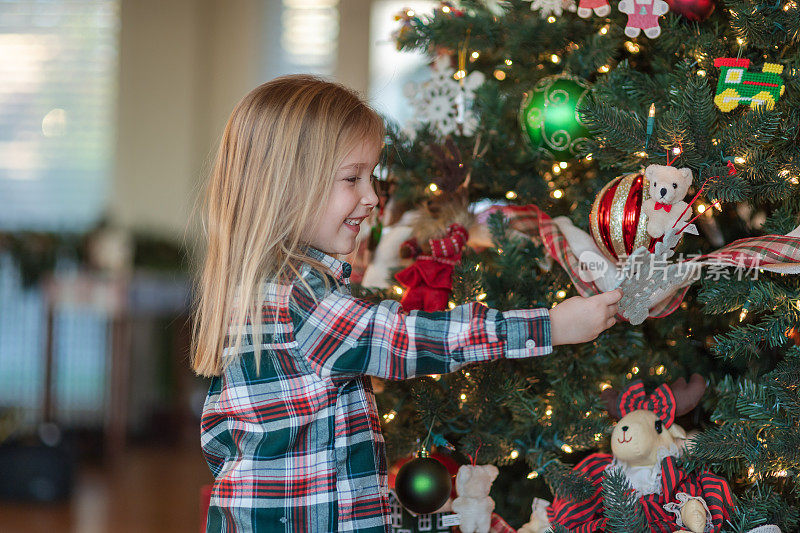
527, 333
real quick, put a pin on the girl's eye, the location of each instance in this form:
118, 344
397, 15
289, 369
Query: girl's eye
352, 179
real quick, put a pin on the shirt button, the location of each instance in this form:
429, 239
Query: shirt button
283, 520
530, 343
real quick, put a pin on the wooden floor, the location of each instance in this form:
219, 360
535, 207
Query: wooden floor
152, 490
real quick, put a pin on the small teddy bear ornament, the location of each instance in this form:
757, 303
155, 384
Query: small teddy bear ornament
665, 207
473, 504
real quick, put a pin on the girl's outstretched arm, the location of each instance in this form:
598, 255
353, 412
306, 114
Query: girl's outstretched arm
344, 336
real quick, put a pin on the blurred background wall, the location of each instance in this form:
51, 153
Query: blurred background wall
110, 113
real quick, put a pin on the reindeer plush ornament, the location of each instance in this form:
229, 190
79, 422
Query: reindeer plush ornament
439, 235
645, 444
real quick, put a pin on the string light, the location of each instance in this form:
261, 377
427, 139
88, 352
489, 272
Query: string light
514, 454
499, 75
789, 5
463, 397
390, 415
741, 41
567, 448
556, 169
701, 73
475, 55
555, 59
445, 9
589, 157
604, 69
743, 314
781, 473
551, 19
459, 74
587, 414
641, 153
740, 160
398, 290
436, 377
511, 195
432, 187
701, 208
604, 30
677, 150
632, 47
598, 436
481, 297
635, 370
558, 193
451, 305
549, 411
410, 13
533, 475
508, 62
561, 294
466, 374
660, 369
604, 386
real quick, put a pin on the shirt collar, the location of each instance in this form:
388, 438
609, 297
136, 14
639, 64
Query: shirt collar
339, 269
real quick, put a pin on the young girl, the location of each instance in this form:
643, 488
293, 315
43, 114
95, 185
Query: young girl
290, 428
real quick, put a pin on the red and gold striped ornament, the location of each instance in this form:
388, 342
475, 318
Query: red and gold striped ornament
617, 222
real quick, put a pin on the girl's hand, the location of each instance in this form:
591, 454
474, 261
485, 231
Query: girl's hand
580, 319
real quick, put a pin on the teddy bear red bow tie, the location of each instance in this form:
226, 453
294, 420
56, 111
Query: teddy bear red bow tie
665, 207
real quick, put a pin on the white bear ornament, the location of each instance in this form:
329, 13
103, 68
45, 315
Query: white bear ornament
665, 207
473, 504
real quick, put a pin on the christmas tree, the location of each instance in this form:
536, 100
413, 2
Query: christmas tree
546, 102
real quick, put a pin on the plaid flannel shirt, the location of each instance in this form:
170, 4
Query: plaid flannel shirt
297, 446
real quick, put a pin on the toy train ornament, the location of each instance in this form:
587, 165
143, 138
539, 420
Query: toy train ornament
737, 85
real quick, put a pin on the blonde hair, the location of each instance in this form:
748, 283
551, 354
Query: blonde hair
269, 183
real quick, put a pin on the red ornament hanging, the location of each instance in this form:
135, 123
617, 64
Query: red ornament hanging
616, 221
696, 10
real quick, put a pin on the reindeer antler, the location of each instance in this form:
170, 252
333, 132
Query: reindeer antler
611, 398
448, 161
688, 395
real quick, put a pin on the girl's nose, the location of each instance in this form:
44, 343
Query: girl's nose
370, 199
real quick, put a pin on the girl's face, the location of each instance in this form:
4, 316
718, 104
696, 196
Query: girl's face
350, 202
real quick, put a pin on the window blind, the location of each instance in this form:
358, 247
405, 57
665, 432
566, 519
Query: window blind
58, 72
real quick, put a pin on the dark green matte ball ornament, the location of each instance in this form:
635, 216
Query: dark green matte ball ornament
549, 116
423, 485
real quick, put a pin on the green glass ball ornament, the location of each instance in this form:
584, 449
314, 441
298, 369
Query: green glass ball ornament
423, 485
549, 116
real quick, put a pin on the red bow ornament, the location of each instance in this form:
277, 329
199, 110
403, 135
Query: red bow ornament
665, 207
429, 280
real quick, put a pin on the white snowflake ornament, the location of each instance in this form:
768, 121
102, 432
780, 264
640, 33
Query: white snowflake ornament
444, 102
495, 7
547, 8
